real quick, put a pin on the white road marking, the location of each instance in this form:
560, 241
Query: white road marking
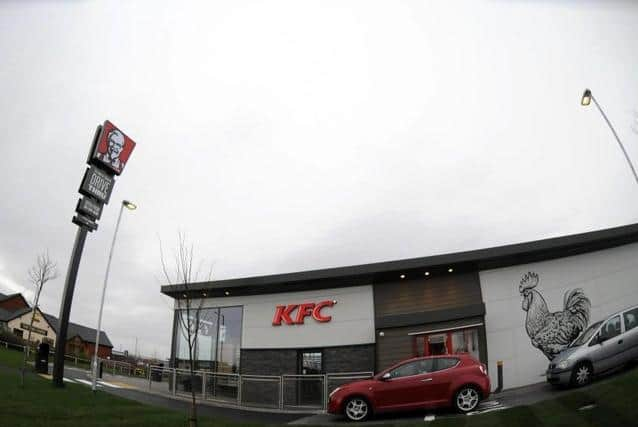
108, 384
489, 403
500, 408
586, 407
100, 383
69, 380
429, 418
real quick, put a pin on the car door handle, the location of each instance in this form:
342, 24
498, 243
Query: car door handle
620, 342
426, 380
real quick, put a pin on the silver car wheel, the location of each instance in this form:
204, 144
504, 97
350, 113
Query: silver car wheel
582, 375
356, 409
467, 399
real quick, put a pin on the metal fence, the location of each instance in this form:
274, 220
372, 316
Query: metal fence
285, 392
116, 367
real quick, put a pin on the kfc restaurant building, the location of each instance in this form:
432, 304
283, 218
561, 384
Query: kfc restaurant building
368, 317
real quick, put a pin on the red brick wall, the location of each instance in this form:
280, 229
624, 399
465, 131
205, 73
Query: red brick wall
75, 345
13, 303
103, 352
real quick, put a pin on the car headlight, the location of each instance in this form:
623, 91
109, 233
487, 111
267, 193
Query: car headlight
563, 364
334, 391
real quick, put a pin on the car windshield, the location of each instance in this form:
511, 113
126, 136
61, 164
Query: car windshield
585, 336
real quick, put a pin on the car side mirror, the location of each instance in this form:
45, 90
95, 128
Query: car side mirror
386, 376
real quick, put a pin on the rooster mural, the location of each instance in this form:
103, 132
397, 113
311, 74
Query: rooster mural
552, 332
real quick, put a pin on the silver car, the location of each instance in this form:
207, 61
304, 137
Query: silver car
604, 345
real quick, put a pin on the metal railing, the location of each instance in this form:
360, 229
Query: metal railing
116, 367
283, 392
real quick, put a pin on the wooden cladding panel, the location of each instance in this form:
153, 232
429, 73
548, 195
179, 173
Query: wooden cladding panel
418, 295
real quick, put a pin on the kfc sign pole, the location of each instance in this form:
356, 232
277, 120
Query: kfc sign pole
108, 156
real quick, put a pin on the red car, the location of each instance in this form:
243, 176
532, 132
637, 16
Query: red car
458, 380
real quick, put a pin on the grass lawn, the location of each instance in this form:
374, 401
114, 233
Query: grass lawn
13, 358
40, 404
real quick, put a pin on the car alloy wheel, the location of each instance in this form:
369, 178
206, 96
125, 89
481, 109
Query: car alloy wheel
357, 409
582, 374
467, 399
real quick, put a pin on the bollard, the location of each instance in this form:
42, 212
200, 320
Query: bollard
499, 372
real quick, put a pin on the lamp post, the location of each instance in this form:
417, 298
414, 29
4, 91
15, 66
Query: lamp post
130, 206
585, 101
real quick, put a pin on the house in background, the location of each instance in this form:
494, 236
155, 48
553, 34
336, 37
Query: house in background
13, 302
81, 339
15, 317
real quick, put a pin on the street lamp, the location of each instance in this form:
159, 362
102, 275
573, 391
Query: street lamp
585, 101
130, 206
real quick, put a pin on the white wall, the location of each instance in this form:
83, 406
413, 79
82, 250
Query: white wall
352, 318
609, 278
38, 322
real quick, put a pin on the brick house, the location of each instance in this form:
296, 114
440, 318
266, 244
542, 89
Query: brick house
15, 317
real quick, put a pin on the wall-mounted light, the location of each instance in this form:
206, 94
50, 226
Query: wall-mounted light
427, 273
402, 276
203, 294
226, 293
586, 99
449, 270
381, 334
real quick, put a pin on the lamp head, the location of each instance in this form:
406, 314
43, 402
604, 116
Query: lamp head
129, 205
586, 99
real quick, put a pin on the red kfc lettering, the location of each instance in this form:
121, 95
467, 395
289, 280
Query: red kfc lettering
283, 313
305, 310
316, 313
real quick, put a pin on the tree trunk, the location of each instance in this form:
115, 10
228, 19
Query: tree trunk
28, 346
192, 419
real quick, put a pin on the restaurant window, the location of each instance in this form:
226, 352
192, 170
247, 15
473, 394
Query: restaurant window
218, 342
447, 342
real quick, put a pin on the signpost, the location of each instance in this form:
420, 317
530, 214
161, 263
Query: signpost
110, 151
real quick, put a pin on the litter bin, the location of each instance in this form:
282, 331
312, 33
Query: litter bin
42, 361
156, 375
100, 368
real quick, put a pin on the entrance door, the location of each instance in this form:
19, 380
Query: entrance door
310, 390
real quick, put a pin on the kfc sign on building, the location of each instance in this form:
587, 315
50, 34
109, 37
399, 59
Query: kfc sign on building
295, 314
112, 149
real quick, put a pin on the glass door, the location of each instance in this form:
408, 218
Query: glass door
309, 390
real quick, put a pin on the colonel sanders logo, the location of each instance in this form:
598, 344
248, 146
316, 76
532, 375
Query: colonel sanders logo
113, 148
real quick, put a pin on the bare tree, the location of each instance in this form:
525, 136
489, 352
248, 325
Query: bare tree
40, 273
188, 307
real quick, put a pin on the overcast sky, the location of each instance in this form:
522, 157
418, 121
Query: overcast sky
292, 135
